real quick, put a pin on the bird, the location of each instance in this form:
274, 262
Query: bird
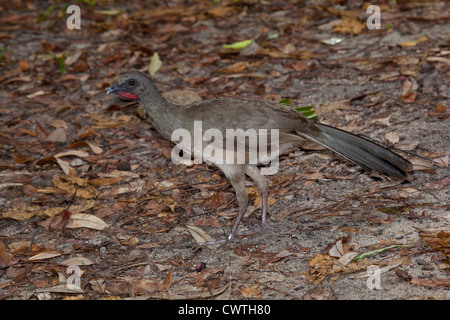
275, 126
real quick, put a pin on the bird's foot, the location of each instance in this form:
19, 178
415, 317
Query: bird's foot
245, 234
222, 242
260, 229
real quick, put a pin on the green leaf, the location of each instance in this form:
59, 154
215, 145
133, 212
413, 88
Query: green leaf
112, 12
286, 102
375, 252
2, 52
46, 13
238, 45
333, 41
307, 111
310, 114
303, 109
393, 210
88, 2
61, 61
272, 36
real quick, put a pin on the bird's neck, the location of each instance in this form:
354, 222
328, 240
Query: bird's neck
162, 113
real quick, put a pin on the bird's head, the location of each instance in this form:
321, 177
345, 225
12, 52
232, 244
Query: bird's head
131, 85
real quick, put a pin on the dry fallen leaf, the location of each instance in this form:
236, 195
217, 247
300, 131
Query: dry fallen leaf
59, 123
409, 89
24, 65
74, 153
349, 25
322, 265
77, 297
199, 235
440, 59
313, 175
148, 286
407, 145
407, 192
337, 250
105, 181
409, 44
21, 158
118, 173
4, 256
57, 222
234, 68
392, 137
95, 149
45, 254
83, 206
443, 161
433, 283
347, 258
409, 65
438, 238
385, 121
73, 185
221, 12
334, 105
82, 220
62, 288
127, 240
77, 261
155, 64
252, 292
65, 166
35, 94
58, 135
98, 285
166, 283
421, 164
31, 211
280, 255
103, 123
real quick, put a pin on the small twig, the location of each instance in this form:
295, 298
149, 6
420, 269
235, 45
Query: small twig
27, 262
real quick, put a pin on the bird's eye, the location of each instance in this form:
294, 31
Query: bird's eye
131, 82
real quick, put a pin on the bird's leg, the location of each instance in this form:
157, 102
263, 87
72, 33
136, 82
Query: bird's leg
237, 221
235, 173
264, 210
264, 207
237, 179
254, 173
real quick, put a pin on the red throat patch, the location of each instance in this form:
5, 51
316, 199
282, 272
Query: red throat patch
128, 95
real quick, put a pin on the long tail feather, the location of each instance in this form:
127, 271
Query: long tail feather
363, 152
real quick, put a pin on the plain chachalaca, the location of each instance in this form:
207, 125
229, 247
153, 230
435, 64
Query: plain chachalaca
263, 117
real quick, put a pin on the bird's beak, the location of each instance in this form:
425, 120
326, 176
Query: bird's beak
111, 89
